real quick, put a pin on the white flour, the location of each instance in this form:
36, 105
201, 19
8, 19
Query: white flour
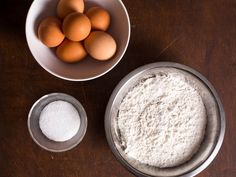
162, 120
59, 121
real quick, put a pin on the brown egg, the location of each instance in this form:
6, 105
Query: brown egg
71, 52
99, 18
100, 45
76, 26
49, 32
66, 7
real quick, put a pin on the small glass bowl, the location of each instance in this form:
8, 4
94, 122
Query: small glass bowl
36, 133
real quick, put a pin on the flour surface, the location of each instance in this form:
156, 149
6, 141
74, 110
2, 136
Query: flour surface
161, 120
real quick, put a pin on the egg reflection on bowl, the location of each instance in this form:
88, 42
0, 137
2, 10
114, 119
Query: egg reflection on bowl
87, 68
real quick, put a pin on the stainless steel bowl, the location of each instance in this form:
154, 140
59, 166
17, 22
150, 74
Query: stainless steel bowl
37, 135
213, 138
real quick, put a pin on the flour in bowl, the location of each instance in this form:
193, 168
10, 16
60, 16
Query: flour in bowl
161, 121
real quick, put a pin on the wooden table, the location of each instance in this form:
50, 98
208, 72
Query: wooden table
200, 34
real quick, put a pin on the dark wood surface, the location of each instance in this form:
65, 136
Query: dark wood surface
200, 34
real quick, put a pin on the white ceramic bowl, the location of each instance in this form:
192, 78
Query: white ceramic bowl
88, 68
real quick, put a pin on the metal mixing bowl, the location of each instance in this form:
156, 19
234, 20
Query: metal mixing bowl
213, 137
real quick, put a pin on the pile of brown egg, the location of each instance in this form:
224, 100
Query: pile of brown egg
76, 34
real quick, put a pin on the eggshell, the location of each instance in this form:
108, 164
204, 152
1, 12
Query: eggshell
71, 52
76, 26
66, 7
99, 18
50, 32
100, 45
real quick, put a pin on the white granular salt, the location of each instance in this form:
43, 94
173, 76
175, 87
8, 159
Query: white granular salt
59, 121
161, 121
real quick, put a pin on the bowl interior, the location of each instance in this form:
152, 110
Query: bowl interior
88, 68
212, 134
40, 138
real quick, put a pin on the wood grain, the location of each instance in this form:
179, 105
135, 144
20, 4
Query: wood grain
200, 34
